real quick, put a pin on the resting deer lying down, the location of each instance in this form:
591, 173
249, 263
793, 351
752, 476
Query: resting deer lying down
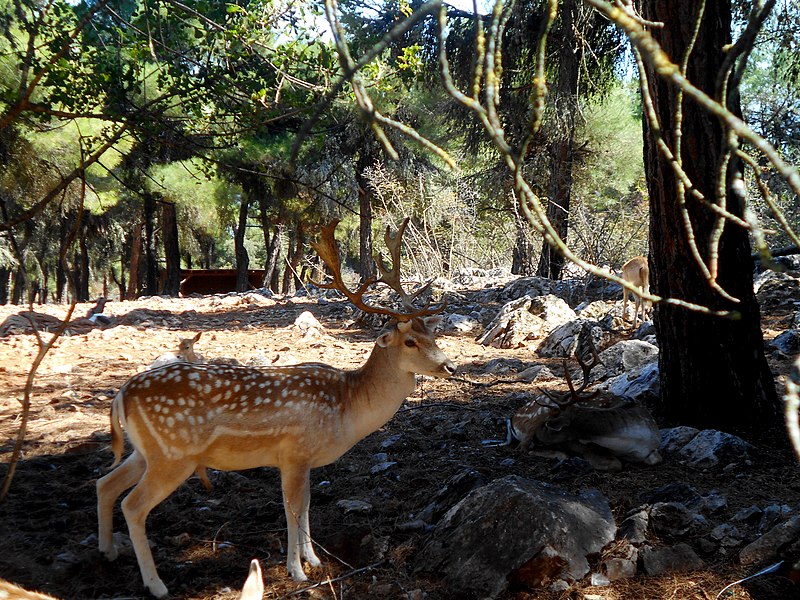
579, 424
184, 416
185, 353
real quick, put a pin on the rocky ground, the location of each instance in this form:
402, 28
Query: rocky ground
370, 545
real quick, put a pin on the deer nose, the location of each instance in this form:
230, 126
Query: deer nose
449, 367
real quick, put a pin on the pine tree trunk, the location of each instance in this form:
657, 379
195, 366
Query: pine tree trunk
150, 255
82, 268
136, 259
366, 263
172, 251
242, 258
273, 255
562, 147
522, 253
4, 275
713, 370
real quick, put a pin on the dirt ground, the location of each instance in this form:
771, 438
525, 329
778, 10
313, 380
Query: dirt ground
204, 540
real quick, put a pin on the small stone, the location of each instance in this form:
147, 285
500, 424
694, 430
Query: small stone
354, 506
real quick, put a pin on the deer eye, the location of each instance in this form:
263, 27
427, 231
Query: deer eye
411, 343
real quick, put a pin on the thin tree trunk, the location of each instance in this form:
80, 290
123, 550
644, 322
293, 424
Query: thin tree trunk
562, 147
273, 256
172, 251
713, 370
82, 265
136, 259
4, 276
366, 263
242, 258
150, 255
522, 253
19, 286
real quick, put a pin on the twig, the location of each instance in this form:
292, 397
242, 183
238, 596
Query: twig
26, 403
329, 581
437, 405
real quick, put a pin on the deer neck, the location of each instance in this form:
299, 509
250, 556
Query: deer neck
376, 391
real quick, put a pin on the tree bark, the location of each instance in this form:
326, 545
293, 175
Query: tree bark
150, 255
136, 259
4, 275
172, 251
562, 147
713, 370
366, 263
82, 270
295, 253
242, 258
522, 253
273, 255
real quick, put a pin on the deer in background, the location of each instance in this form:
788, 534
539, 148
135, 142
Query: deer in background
183, 417
185, 353
637, 273
600, 434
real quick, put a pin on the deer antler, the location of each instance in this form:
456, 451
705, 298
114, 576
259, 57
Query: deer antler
564, 399
391, 277
328, 251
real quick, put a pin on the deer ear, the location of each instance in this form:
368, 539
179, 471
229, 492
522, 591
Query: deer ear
431, 323
385, 339
197, 337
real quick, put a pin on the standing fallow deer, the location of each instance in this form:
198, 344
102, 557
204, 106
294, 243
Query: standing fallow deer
637, 273
182, 417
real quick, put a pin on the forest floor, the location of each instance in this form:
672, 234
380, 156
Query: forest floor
204, 540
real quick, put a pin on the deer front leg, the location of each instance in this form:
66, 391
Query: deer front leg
109, 489
296, 485
154, 487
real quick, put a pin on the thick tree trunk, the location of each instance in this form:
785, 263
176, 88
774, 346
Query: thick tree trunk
562, 147
713, 370
172, 251
242, 258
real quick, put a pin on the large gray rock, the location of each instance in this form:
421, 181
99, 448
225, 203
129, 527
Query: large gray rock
787, 342
625, 356
641, 385
552, 309
710, 448
676, 559
563, 340
516, 527
674, 520
770, 545
512, 325
673, 439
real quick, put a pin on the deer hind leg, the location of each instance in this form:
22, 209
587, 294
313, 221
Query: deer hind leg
152, 489
296, 485
109, 488
625, 293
